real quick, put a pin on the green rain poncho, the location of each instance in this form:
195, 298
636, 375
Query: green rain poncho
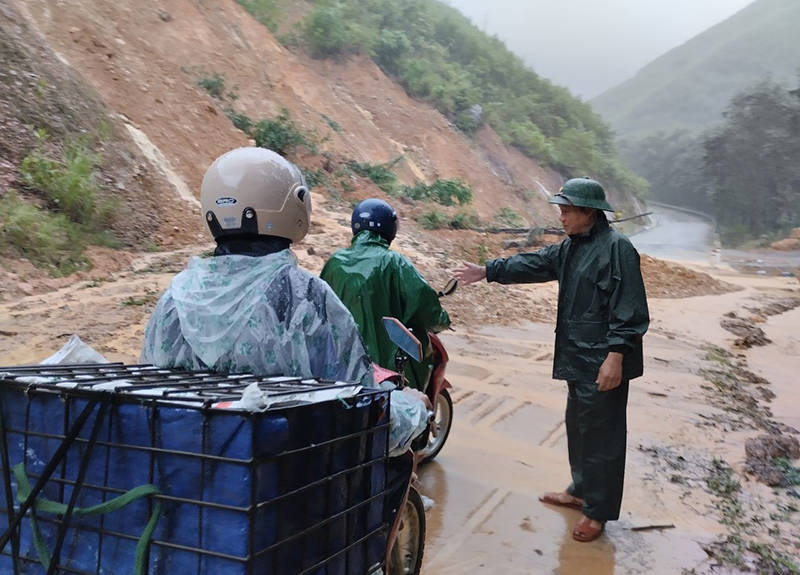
373, 282
602, 305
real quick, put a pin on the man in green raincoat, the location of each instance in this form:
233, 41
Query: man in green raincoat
374, 282
602, 316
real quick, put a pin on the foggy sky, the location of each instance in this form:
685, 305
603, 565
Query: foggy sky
590, 46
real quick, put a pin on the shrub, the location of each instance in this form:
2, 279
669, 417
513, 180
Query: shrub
464, 221
280, 134
241, 121
49, 241
315, 178
432, 220
330, 32
444, 192
390, 48
526, 137
69, 183
213, 84
380, 174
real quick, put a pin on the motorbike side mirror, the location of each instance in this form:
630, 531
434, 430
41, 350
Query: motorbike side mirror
449, 288
403, 338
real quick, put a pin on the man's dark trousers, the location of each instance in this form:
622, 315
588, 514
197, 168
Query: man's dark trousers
596, 437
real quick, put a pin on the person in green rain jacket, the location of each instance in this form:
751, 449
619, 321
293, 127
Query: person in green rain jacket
602, 317
374, 282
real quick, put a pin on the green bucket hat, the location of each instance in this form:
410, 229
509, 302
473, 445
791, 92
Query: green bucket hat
583, 193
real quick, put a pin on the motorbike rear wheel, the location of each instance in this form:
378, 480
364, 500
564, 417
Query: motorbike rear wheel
443, 421
406, 556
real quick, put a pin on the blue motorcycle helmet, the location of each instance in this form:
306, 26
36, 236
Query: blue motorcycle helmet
376, 216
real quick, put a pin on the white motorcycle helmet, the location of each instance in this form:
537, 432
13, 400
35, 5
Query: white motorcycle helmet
257, 192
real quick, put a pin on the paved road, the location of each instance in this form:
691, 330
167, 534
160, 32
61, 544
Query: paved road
676, 235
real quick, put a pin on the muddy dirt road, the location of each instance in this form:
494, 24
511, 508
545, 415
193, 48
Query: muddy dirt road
508, 445
508, 441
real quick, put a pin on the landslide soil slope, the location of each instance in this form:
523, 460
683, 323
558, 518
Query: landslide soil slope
145, 59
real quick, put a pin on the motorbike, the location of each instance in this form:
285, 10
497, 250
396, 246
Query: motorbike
406, 541
407, 535
433, 439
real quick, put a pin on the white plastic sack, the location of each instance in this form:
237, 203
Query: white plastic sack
409, 418
255, 399
74, 351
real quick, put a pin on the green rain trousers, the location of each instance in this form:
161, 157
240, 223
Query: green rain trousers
374, 282
602, 307
596, 430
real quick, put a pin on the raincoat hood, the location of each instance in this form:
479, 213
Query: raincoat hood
222, 292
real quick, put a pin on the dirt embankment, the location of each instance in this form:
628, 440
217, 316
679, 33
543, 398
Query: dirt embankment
39, 92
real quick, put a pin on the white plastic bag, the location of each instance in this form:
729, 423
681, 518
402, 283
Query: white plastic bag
74, 351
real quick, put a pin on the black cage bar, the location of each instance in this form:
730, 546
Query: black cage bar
297, 489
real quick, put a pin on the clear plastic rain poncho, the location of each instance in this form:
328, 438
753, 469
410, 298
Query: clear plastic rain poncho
264, 315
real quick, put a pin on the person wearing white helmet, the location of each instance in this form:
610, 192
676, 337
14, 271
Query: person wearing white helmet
250, 308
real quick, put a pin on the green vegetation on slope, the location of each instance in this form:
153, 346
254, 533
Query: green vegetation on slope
690, 86
72, 212
439, 56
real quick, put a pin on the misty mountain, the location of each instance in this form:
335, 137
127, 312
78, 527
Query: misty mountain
690, 86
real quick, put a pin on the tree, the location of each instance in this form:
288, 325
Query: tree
752, 162
673, 164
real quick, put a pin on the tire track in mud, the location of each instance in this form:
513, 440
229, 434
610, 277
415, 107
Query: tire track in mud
478, 516
474, 402
460, 394
500, 409
554, 436
489, 407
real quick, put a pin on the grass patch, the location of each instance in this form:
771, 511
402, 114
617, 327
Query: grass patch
483, 253
50, 241
214, 84
380, 174
790, 472
71, 214
735, 550
717, 354
432, 220
509, 216
281, 135
268, 12
335, 126
441, 191
69, 182
148, 298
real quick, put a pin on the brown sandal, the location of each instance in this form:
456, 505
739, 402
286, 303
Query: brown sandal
584, 532
554, 498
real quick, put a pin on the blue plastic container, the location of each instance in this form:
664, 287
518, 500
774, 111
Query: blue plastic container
285, 492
